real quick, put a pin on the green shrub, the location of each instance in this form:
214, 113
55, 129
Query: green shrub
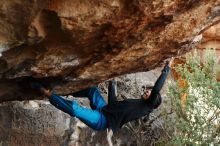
197, 122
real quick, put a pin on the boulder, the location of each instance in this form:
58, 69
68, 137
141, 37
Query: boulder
69, 45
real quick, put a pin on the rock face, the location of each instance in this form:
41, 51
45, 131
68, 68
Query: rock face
31, 124
211, 39
69, 45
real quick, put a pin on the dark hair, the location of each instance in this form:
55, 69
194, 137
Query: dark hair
157, 101
147, 87
144, 88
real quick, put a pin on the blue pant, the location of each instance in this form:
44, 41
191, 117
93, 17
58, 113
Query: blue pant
94, 118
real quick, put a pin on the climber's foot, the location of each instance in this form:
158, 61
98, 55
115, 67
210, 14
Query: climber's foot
40, 88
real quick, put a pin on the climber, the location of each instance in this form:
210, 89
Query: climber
114, 114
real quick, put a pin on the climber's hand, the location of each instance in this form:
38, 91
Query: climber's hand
169, 62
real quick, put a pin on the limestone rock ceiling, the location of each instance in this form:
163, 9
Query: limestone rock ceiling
68, 45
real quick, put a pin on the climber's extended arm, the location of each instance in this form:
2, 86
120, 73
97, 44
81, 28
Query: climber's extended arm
160, 81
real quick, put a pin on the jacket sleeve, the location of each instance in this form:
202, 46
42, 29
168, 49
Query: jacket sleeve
111, 92
160, 81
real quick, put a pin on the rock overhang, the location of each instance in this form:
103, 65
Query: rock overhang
69, 45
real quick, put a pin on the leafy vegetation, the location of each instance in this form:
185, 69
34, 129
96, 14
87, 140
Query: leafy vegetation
195, 100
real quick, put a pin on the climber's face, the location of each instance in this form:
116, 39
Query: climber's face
146, 94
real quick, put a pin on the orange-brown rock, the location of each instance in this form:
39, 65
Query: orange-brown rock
69, 45
211, 39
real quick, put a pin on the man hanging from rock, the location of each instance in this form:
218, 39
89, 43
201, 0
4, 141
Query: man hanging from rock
114, 114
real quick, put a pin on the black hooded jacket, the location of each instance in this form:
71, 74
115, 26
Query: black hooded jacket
120, 112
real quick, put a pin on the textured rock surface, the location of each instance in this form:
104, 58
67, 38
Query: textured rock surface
69, 45
31, 124
211, 39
